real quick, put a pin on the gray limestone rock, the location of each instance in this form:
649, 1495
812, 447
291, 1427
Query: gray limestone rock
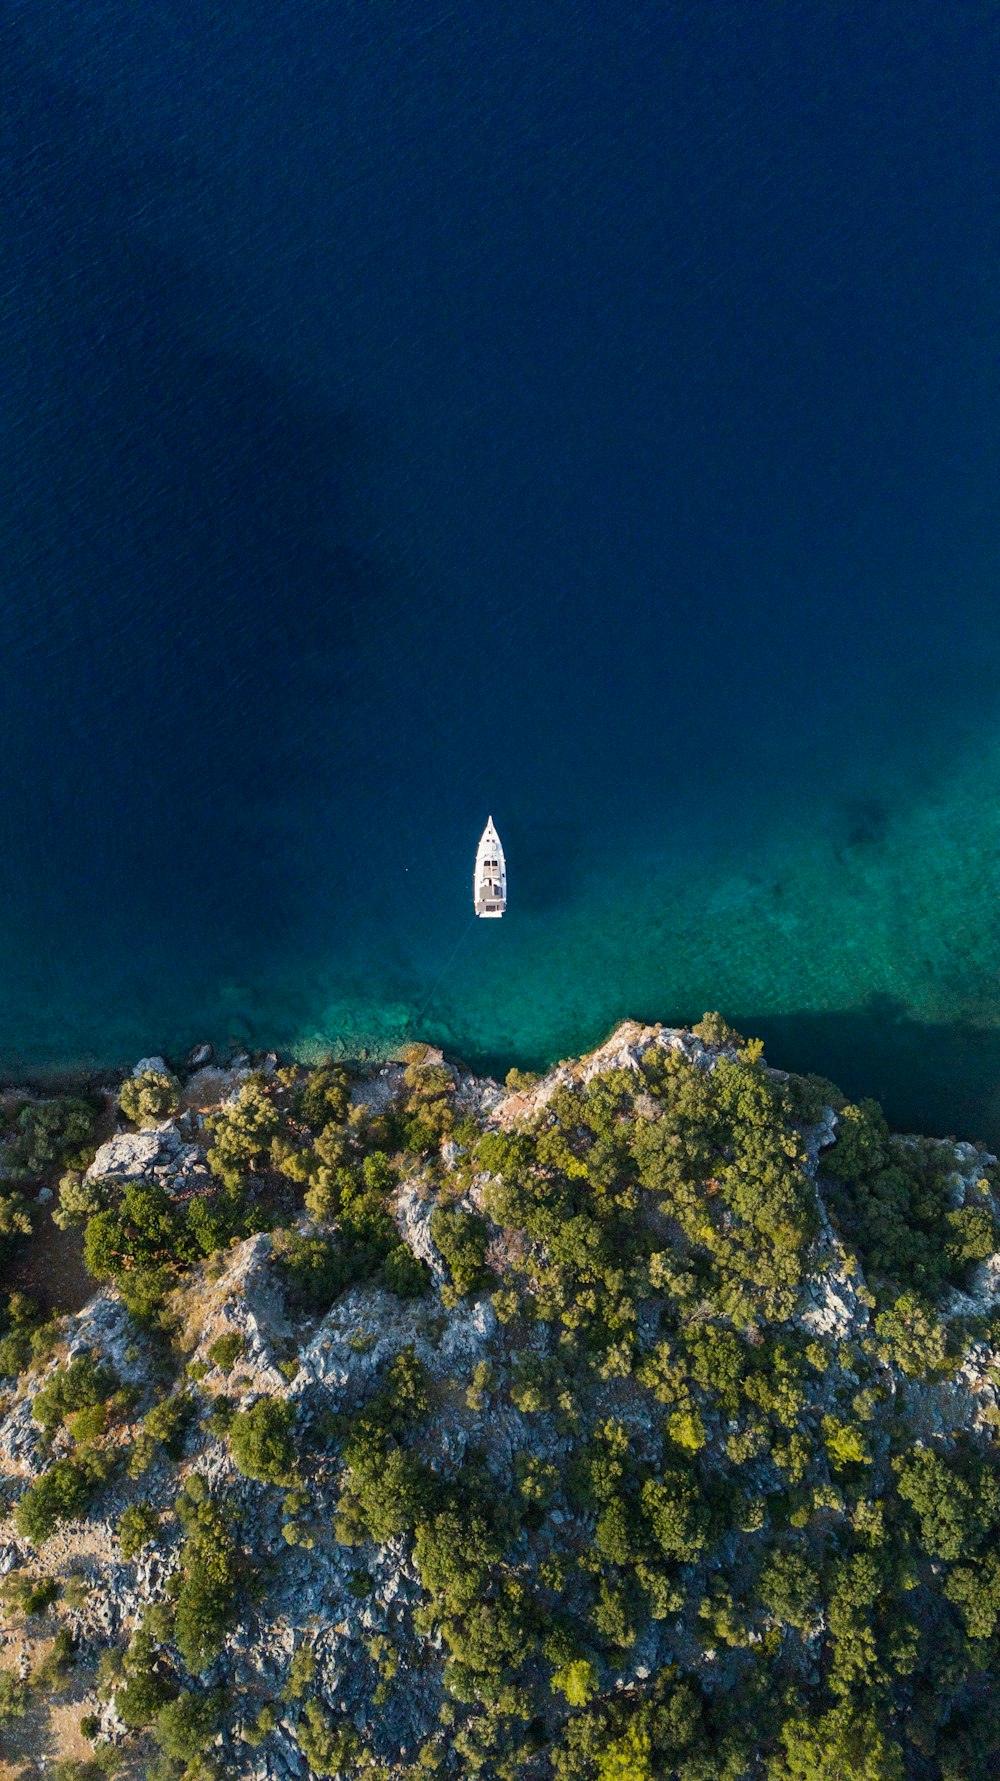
412, 1213
128, 1156
164, 1154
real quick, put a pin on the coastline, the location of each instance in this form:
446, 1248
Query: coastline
654, 1308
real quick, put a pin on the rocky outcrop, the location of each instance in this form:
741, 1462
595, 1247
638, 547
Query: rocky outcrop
166, 1154
355, 1604
244, 1300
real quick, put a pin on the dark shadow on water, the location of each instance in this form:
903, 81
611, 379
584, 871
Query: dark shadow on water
939, 1078
942, 1078
189, 578
867, 821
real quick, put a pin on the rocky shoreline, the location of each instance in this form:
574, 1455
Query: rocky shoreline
387, 1697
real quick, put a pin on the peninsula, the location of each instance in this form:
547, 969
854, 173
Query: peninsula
637, 1422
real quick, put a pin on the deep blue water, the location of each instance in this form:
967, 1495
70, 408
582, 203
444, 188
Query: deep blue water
583, 412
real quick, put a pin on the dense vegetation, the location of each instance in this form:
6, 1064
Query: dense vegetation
744, 1520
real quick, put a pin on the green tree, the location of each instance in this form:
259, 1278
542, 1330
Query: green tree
628, 1757
843, 1743
325, 1097
84, 1382
328, 1749
143, 1232
28, 1593
789, 1588
15, 1697
461, 1239
48, 1134
577, 1681
405, 1274
206, 1593
261, 1441
953, 1511
676, 1516
79, 1199
169, 1420
913, 1338
149, 1097
972, 1234
862, 1146
138, 1525
62, 1493
185, 1726
226, 1350
241, 1132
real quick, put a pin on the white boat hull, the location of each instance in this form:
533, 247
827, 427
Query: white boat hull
489, 885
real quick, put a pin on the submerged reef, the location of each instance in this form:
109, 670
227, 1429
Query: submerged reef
633, 1422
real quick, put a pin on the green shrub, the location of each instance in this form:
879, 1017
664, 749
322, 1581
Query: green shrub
89, 1424
325, 1097
461, 1240
429, 1103
85, 1382
241, 1133
48, 1134
79, 1199
387, 1492
301, 1674
316, 1268
226, 1350
521, 1081
15, 1697
714, 1029
405, 1274
169, 1420
137, 1527
205, 1599
454, 1551
577, 1681
63, 1493
24, 1336
28, 1593
261, 1441
15, 1217
386, 1489
263, 1725
149, 1097
76, 1590
185, 1726
140, 1697
328, 1749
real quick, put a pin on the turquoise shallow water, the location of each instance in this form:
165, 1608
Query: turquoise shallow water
867, 950
578, 412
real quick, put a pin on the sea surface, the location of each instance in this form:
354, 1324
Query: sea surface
580, 411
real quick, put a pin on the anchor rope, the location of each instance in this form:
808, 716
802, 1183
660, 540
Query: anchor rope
422, 1010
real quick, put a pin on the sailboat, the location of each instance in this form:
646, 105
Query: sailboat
489, 887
